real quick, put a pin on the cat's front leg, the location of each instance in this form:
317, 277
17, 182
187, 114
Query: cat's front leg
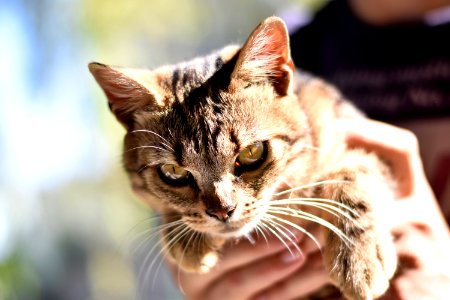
362, 265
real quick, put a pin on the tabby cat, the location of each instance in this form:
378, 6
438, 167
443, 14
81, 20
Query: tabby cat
239, 142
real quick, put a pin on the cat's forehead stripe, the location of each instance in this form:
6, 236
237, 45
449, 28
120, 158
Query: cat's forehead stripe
178, 152
235, 140
187, 76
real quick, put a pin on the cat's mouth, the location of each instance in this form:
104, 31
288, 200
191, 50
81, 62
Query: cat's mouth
237, 229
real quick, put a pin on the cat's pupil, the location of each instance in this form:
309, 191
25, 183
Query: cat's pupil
251, 157
173, 172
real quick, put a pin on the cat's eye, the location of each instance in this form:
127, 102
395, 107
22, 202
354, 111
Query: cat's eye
173, 174
251, 157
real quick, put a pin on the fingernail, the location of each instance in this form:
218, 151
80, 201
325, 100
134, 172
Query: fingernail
291, 256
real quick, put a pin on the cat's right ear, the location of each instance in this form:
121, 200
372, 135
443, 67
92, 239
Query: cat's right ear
127, 90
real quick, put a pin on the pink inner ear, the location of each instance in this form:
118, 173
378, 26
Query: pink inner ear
122, 91
124, 94
277, 43
267, 55
278, 47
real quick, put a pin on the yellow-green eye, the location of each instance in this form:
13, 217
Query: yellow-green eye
252, 156
173, 174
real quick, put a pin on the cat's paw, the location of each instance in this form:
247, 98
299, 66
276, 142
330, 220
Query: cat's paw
363, 271
200, 257
198, 263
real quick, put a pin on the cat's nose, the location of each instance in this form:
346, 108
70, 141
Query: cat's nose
222, 213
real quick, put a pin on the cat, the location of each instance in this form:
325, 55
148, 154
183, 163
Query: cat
240, 142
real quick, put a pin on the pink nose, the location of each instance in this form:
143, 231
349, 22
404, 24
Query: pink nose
222, 213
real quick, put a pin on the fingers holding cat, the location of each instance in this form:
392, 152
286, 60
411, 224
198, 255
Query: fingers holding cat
304, 281
245, 270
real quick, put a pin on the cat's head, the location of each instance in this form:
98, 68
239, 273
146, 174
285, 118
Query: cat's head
210, 140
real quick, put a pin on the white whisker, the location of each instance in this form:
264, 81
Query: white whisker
193, 234
299, 228
279, 228
249, 237
166, 142
147, 146
321, 203
313, 218
260, 228
269, 225
131, 236
178, 231
155, 231
305, 186
312, 200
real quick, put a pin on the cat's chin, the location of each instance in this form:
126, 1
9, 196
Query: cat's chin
236, 232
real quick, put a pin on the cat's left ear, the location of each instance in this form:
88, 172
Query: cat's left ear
266, 56
128, 91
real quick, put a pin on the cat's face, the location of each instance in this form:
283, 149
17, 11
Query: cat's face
217, 168
212, 140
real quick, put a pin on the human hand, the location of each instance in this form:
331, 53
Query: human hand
422, 239
421, 235
246, 269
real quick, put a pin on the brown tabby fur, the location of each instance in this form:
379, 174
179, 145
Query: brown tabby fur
200, 114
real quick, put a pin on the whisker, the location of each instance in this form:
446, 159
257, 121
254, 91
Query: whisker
177, 232
305, 186
289, 185
162, 260
157, 231
166, 142
166, 248
171, 243
286, 230
335, 211
260, 228
145, 167
137, 249
147, 288
147, 146
159, 227
292, 239
128, 237
338, 213
269, 225
180, 287
313, 218
249, 237
299, 228
321, 201
142, 279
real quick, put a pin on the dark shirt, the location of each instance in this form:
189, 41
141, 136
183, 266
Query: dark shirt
393, 73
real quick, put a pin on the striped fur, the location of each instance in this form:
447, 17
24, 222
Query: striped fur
200, 115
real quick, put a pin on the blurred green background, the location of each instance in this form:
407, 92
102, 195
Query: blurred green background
67, 215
